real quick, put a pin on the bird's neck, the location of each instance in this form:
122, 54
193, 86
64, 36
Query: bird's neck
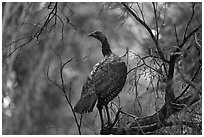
106, 48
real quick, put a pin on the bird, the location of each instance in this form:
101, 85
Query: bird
105, 81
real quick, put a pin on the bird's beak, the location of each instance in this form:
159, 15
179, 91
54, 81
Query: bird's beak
90, 35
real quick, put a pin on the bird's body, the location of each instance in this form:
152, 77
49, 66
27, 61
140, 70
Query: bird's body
105, 81
103, 84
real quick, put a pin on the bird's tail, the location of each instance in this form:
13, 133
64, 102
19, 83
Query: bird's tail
86, 104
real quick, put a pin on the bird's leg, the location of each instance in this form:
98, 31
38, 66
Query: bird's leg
108, 115
101, 115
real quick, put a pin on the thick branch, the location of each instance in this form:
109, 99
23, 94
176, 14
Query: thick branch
158, 121
169, 91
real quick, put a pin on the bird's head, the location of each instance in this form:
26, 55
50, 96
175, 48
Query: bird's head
98, 35
102, 38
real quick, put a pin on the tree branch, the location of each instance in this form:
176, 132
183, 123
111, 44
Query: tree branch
193, 11
184, 91
62, 87
148, 29
189, 35
158, 120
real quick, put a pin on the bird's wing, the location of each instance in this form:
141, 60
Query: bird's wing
106, 80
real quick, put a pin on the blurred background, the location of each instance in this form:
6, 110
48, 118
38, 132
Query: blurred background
31, 104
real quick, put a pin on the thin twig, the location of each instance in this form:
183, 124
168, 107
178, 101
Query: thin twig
141, 10
176, 35
28, 10
192, 84
16, 41
196, 40
189, 35
148, 29
135, 118
193, 11
130, 115
47, 73
20, 47
162, 25
184, 91
62, 87
156, 20
62, 31
68, 101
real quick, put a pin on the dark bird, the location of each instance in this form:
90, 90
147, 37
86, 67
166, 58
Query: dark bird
105, 81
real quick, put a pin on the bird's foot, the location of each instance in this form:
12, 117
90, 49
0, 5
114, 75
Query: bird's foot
109, 125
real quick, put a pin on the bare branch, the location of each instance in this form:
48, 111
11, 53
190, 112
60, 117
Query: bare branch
130, 115
49, 17
192, 14
150, 124
144, 63
47, 73
189, 35
148, 29
192, 84
20, 47
68, 101
156, 20
62, 87
193, 78
16, 41
198, 44
141, 10
28, 10
176, 35
163, 21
